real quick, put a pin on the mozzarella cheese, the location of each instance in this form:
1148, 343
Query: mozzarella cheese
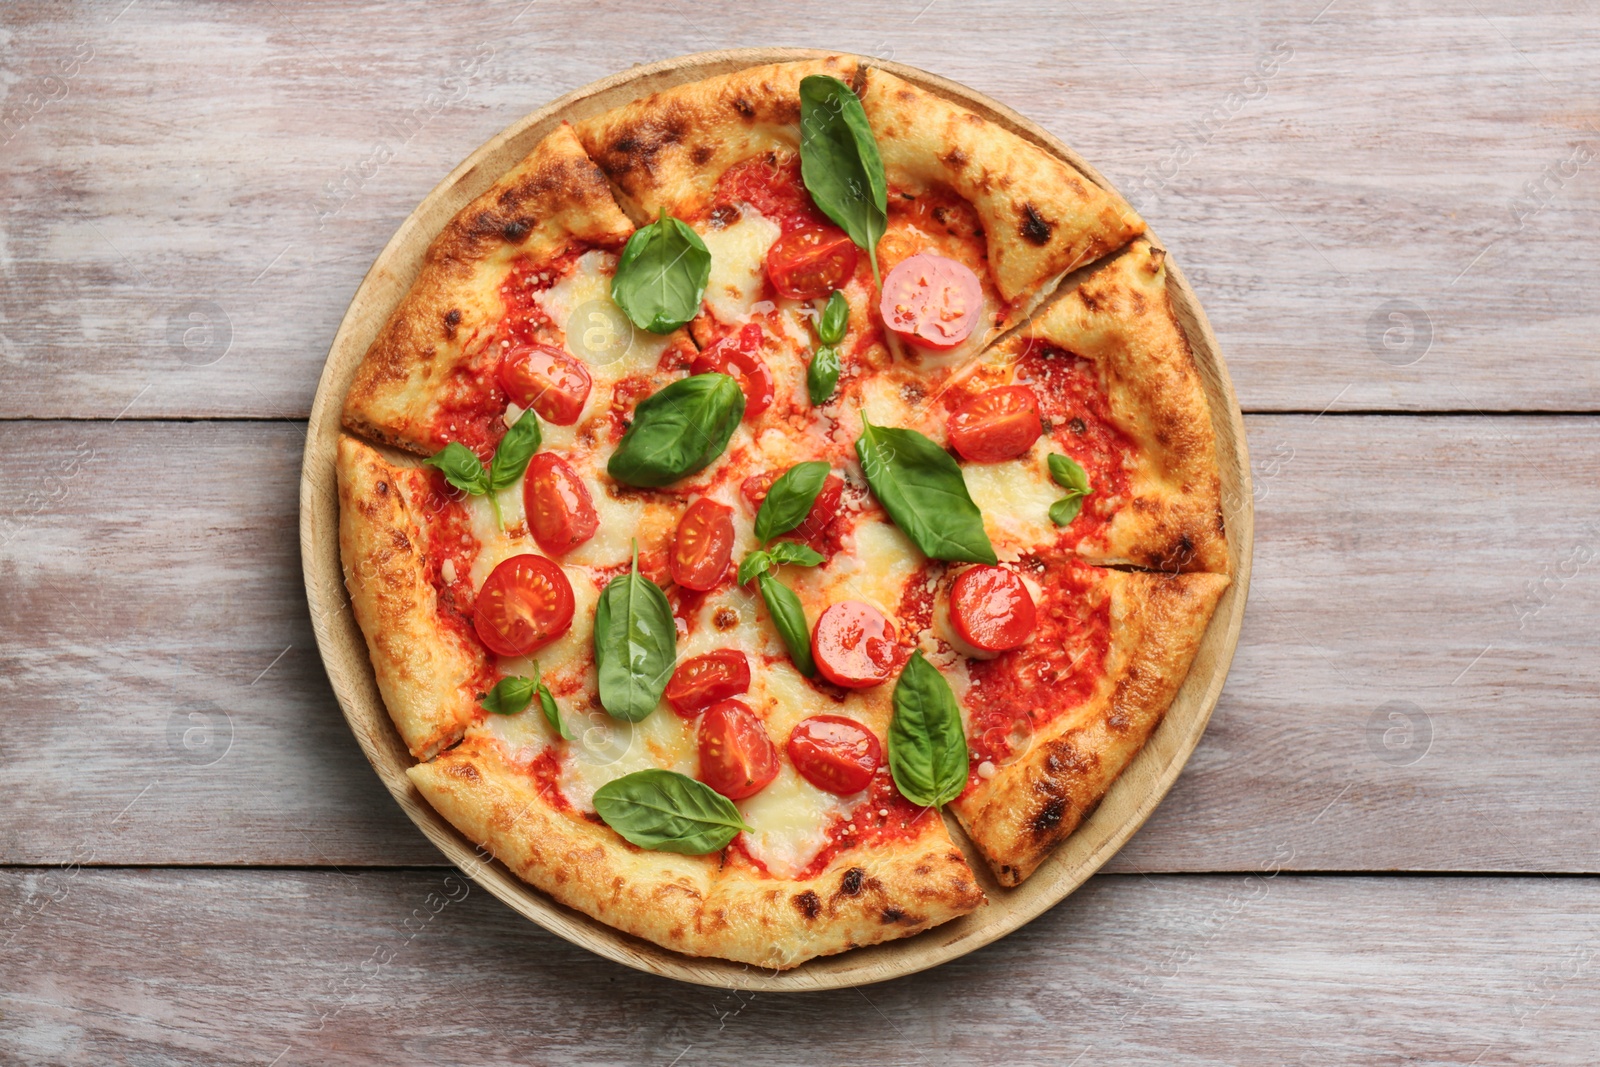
790, 820
738, 264
1015, 498
604, 749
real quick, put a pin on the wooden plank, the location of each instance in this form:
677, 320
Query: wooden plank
1414, 688
302, 967
196, 192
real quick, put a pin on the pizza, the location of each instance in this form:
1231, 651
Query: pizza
759, 471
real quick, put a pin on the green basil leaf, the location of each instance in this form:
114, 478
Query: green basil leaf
516, 448
635, 644
1063, 511
1068, 475
786, 552
678, 430
835, 319
922, 489
927, 746
547, 704
840, 164
789, 618
509, 695
755, 563
461, 468
790, 499
822, 375
668, 812
662, 275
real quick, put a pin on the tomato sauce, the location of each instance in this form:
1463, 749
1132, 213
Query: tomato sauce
771, 184
524, 320
1021, 691
450, 538
865, 827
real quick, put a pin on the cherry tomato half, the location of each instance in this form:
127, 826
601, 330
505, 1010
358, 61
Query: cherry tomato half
809, 263
854, 645
560, 511
702, 545
525, 603
737, 758
931, 301
547, 380
704, 680
835, 754
823, 509
739, 355
991, 609
996, 425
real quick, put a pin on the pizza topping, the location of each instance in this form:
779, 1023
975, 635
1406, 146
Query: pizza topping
921, 487
835, 754
927, 746
840, 164
991, 609
668, 812
807, 264
635, 644
855, 645
510, 696
737, 758
788, 500
781, 554
996, 425
547, 380
704, 680
462, 468
931, 301
739, 356
822, 373
661, 277
525, 603
559, 509
789, 619
771, 184
678, 430
702, 545
1070, 476
823, 509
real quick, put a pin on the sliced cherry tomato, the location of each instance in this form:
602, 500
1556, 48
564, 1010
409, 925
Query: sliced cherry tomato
835, 754
704, 680
854, 645
931, 301
996, 425
823, 509
737, 758
525, 603
809, 263
560, 511
547, 380
702, 545
739, 355
991, 609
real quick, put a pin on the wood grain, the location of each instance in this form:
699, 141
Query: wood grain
312, 967
1397, 559
193, 206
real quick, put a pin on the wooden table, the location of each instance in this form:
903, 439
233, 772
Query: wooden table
1384, 851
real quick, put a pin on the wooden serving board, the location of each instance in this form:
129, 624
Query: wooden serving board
1131, 799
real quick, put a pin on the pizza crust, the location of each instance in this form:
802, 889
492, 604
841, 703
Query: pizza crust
715, 905
428, 676
555, 198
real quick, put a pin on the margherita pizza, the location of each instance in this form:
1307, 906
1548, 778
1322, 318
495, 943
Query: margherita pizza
774, 499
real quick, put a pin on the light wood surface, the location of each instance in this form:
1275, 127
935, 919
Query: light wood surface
1433, 560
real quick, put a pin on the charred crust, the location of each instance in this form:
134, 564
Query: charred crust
464, 771
850, 884
892, 914
452, 319
955, 159
516, 230
1034, 226
809, 904
702, 154
1047, 818
744, 107
381, 488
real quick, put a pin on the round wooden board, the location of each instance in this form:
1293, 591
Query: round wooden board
1131, 799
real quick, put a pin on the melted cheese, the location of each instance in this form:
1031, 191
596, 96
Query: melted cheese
738, 264
605, 749
790, 820
1015, 498
601, 335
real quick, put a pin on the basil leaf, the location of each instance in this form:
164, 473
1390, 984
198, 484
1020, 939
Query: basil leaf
790, 498
786, 552
755, 563
678, 430
1068, 475
516, 448
635, 644
927, 746
840, 164
835, 319
1063, 511
509, 695
822, 375
547, 704
922, 489
461, 468
662, 275
668, 812
789, 617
